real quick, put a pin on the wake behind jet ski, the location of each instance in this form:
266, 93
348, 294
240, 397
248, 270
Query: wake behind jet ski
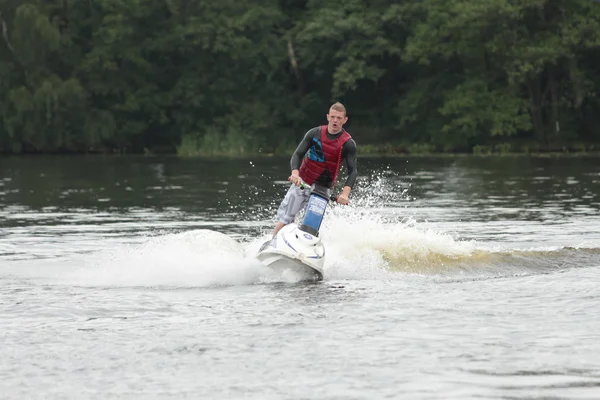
298, 248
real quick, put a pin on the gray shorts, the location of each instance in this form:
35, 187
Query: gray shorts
295, 200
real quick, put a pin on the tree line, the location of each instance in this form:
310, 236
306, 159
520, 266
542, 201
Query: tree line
241, 76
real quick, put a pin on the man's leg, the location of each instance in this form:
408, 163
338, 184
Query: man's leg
278, 227
295, 199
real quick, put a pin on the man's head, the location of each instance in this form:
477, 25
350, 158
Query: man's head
336, 117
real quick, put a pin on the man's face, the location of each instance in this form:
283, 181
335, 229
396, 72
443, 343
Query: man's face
336, 119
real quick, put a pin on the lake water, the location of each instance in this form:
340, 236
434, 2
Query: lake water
450, 277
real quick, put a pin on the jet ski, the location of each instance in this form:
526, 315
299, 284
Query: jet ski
298, 248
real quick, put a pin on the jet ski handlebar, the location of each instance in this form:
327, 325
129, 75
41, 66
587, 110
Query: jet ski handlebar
318, 189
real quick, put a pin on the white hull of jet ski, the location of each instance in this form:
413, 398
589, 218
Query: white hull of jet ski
296, 251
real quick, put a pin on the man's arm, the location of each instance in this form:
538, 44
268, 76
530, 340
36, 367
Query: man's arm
350, 155
301, 150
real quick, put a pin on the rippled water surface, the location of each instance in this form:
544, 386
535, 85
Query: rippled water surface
453, 277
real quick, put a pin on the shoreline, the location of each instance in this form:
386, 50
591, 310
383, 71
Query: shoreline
285, 155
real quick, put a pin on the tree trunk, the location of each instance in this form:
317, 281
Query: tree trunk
294, 64
65, 16
5, 35
535, 97
554, 104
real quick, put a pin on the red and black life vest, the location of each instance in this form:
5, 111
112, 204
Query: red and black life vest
324, 154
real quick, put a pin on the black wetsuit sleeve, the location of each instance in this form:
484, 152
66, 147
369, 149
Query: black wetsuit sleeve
302, 148
349, 153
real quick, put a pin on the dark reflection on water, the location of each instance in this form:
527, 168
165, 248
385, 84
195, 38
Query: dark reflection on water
317, 293
224, 186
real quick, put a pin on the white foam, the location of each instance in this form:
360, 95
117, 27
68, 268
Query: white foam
364, 246
196, 258
190, 259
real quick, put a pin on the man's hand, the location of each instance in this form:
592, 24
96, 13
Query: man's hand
343, 197
295, 178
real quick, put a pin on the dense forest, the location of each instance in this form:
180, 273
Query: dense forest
245, 76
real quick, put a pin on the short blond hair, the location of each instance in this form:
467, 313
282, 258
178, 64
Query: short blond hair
338, 107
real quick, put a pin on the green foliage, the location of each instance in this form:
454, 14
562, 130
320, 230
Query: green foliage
500, 148
235, 77
48, 118
474, 110
218, 143
33, 35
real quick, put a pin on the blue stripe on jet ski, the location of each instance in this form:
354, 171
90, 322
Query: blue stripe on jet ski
286, 242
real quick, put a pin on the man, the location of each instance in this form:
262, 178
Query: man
327, 146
